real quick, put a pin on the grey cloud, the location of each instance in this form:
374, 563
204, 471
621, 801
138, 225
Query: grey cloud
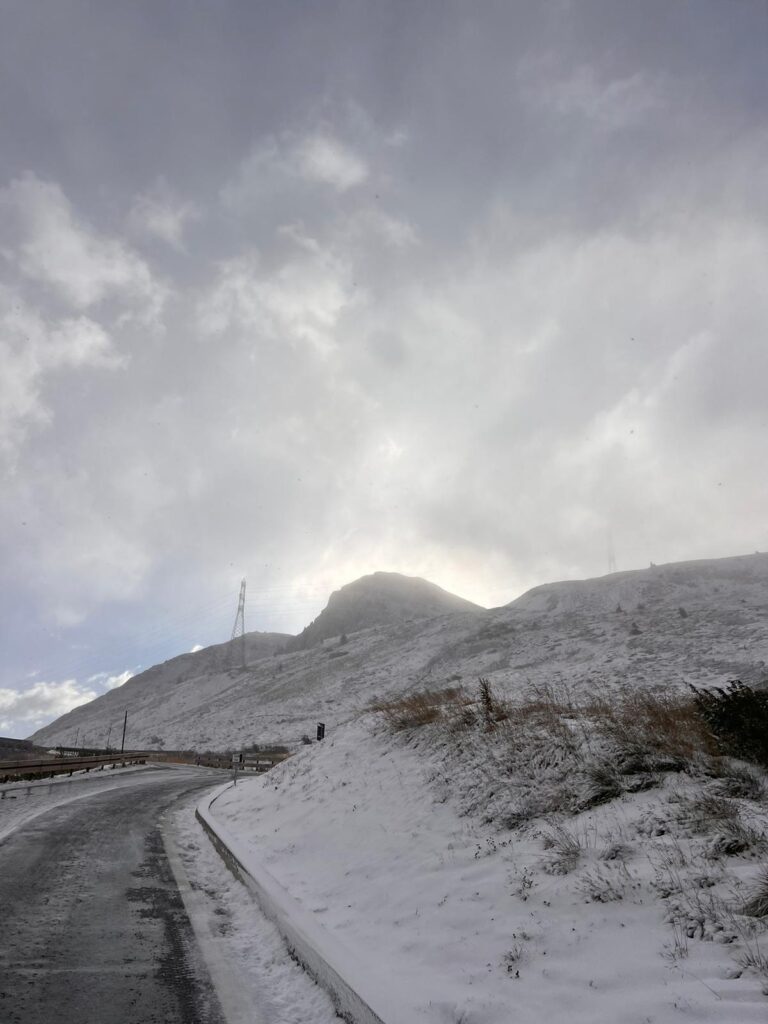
443, 290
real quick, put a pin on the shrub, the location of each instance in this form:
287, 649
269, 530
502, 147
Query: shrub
703, 814
606, 884
601, 784
491, 709
738, 718
741, 782
757, 905
565, 851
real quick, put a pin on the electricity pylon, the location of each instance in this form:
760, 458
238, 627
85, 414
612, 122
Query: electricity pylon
238, 630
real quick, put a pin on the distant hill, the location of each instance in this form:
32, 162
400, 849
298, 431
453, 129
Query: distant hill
700, 622
678, 584
160, 697
380, 599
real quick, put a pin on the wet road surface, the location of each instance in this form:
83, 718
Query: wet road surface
92, 927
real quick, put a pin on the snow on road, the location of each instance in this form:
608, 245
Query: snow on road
20, 802
255, 978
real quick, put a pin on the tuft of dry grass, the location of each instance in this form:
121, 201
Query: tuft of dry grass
413, 710
757, 905
565, 851
652, 722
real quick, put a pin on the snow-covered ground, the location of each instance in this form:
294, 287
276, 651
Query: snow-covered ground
620, 913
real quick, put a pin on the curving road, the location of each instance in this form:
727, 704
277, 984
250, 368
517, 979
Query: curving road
92, 926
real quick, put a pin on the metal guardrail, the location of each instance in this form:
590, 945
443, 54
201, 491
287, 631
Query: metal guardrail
12, 771
260, 762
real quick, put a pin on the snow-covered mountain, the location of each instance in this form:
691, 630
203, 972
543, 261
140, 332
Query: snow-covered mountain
700, 622
377, 600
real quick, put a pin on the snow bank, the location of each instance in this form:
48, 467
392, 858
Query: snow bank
464, 922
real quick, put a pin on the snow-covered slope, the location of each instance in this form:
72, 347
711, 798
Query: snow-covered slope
620, 914
692, 585
700, 622
160, 696
377, 600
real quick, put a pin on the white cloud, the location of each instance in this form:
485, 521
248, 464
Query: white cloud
32, 352
163, 215
40, 703
325, 159
369, 224
611, 102
110, 682
298, 303
279, 162
90, 561
80, 265
196, 648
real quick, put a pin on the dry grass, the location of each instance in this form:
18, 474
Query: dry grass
757, 905
641, 725
651, 722
413, 710
549, 752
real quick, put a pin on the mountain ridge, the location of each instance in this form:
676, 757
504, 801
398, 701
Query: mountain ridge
668, 625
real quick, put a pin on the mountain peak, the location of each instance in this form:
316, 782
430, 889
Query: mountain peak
379, 599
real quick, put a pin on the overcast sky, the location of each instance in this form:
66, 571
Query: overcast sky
296, 291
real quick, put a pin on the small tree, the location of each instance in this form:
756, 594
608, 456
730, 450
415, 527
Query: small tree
490, 709
738, 718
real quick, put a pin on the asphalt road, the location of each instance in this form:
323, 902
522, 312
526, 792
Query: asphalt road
92, 927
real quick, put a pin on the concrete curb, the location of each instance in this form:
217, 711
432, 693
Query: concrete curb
334, 967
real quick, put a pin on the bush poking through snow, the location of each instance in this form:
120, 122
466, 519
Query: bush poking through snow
738, 718
601, 785
605, 884
492, 710
513, 958
740, 782
704, 814
564, 851
757, 905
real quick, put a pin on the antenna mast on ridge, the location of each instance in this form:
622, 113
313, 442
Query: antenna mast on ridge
238, 630
611, 553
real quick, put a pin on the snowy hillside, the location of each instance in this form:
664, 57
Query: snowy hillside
633, 909
701, 622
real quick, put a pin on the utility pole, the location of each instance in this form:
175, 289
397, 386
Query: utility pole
238, 630
109, 733
125, 722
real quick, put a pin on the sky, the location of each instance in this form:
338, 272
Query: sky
300, 291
